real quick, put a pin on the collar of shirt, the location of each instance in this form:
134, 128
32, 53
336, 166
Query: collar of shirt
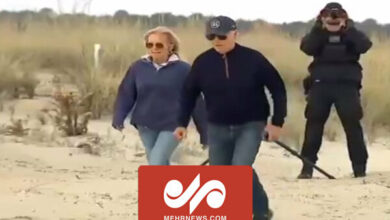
172, 58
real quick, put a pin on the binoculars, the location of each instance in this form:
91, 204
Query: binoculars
334, 13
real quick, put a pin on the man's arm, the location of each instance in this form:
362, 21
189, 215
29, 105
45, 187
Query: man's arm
189, 95
313, 42
199, 115
276, 87
356, 40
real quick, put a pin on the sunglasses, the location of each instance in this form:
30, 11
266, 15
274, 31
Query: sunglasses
150, 45
213, 36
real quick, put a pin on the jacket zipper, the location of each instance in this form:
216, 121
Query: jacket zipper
226, 66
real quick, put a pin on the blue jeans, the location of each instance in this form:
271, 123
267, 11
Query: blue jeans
238, 145
159, 145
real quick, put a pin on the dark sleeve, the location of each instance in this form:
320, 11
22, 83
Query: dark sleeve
356, 40
199, 116
189, 95
126, 97
313, 42
276, 87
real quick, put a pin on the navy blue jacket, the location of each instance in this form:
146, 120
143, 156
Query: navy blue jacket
152, 96
233, 87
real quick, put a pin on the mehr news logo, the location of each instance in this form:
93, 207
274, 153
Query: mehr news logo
214, 191
195, 193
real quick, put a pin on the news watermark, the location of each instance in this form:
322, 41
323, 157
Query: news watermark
195, 193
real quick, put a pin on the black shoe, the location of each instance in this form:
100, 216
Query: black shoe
306, 172
268, 216
304, 175
359, 170
358, 175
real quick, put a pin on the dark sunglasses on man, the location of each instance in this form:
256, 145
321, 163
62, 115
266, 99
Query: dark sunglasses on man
213, 36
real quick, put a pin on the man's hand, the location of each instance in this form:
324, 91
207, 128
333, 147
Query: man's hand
343, 23
180, 133
273, 132
318, 25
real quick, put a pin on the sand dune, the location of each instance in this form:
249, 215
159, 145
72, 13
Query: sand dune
57, 181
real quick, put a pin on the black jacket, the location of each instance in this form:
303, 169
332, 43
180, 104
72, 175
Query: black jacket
336, 55
233, 87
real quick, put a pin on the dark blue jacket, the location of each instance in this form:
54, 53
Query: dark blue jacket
234, 88
152, 95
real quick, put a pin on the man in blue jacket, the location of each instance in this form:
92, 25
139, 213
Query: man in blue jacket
232, 78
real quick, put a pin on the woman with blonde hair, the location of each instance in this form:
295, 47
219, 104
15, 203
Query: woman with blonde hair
151, 91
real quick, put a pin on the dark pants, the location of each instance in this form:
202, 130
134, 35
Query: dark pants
346, 99
238, 145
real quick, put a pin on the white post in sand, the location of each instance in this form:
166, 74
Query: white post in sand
96, 55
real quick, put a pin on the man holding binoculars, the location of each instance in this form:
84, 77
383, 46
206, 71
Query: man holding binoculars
335, 78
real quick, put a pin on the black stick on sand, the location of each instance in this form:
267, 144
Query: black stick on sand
293, 152
205, 162
304, 160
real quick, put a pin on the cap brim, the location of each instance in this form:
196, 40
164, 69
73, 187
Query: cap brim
217, 32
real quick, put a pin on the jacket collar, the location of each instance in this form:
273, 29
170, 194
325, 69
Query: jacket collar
236, 47
172, 58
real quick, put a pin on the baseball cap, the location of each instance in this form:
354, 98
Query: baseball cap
220, 25
333, 5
